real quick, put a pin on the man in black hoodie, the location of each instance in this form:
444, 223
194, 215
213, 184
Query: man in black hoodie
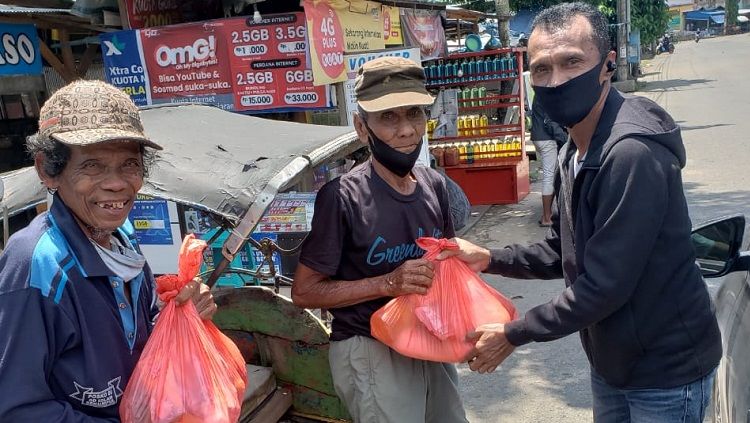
620, 238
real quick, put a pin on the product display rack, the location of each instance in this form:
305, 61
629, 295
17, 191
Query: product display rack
491, 165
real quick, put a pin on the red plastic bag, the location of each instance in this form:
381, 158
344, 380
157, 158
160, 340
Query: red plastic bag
434, 326
189, 371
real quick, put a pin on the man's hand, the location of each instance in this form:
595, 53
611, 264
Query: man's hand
412, 277
477, 258
491, 349
201, 295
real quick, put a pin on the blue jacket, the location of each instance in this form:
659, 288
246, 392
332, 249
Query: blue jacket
69, 339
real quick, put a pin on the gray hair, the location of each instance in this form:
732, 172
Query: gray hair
558, 18
361, 112
56, 154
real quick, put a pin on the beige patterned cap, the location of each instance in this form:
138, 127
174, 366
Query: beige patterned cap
90, 112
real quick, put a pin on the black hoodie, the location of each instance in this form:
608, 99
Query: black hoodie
621, 239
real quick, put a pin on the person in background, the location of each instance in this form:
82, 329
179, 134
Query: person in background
547, 137
361, 252
77, 298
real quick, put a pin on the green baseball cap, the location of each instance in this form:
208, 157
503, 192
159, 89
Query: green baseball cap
390, 82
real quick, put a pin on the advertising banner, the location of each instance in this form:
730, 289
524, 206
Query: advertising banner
19, 50
424, 29
148, 13
123, 66
355, 61
338, 26
234, 64
188, 63
150, 217
268, 64
392, 26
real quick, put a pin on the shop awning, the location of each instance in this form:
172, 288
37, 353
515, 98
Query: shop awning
715, 16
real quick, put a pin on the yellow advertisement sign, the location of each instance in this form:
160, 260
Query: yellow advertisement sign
392, 26
338, 26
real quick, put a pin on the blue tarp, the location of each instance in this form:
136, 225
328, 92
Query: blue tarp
717, 16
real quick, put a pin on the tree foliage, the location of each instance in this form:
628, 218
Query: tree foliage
731, 12
651, 17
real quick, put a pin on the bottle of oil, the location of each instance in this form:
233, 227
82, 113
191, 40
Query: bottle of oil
507, 147
517, 147
470, 153
476, 124
484, 122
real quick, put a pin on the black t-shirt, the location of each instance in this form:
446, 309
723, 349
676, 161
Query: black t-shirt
363, 228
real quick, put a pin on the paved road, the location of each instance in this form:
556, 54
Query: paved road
705, 88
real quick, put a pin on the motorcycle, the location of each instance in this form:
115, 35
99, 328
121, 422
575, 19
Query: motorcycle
665, 48
697, 36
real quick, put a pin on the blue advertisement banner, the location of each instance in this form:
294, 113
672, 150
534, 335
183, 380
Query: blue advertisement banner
19, 50
258, 256
150, 217
123, 65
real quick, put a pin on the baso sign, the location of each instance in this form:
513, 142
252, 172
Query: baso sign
19, 50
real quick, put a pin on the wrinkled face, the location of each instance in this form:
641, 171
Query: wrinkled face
559, 56
99, 183
401, 128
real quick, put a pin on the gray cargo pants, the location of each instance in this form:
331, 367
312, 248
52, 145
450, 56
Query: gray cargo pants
378, 385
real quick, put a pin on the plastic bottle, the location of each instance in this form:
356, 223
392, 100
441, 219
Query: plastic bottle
439, 72
465, 96
498, 65
497, 148
448, 72
482, 95
517, 147
490, 149
484, 122
474, 96
472, 70
481, 69
465, 70
454, 69
470, 153
460, 125
514, 66
476, 124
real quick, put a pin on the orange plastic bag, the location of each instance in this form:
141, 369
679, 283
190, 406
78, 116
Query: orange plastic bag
189, 371
434, 326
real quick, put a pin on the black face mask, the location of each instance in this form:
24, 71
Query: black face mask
569, 103
395, 161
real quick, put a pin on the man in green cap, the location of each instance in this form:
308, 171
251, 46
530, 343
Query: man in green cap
361, 252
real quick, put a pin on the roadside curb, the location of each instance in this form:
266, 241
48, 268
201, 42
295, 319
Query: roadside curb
475, 215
